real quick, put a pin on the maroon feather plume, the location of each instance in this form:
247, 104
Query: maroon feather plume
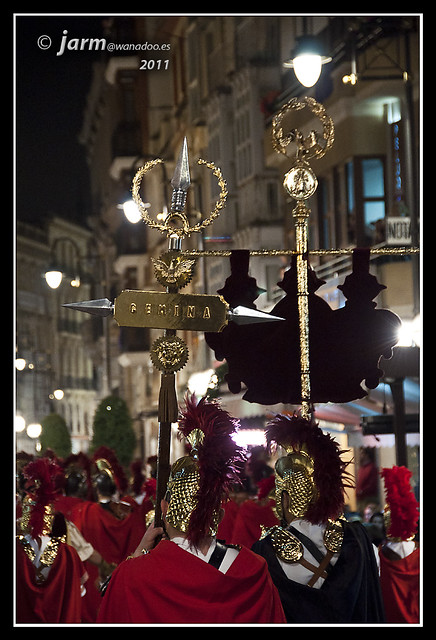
330, 475
402, 502
118, 471
218, 457
41, 475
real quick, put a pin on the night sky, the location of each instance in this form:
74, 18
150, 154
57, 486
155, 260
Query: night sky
50, 96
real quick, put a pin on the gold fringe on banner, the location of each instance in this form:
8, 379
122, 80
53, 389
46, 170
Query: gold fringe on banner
381, 251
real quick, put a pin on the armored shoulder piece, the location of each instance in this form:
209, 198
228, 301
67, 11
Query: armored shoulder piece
286, 546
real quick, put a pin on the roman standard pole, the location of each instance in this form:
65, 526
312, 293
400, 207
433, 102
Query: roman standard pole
300, 182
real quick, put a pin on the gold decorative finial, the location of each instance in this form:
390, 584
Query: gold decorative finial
176, 223
300, 182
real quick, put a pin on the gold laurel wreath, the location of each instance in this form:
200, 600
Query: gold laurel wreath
164, 227
308, 147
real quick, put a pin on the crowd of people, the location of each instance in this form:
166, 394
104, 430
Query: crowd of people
242, 542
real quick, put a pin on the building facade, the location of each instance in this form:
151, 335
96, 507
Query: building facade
219, 80
55, 348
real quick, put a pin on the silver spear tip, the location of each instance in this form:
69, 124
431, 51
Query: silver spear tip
245, 315
181, 178
101, 307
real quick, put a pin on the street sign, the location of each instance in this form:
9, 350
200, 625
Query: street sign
398, 231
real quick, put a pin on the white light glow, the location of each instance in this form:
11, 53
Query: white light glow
34, 430
53, 278
58, 394
410, 333
250, 437
20, 424
20, 364
200, 382
307, 68
131, 211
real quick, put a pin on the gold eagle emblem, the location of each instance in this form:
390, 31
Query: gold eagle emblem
172, 270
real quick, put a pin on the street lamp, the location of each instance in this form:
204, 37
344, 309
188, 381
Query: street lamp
53, 277
54, 274
307, 60
20, 364
34, 430
20, 424
131, 211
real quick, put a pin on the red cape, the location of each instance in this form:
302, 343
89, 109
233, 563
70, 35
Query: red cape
113, 539
250, 517
57, 600
65, 504
170, 585
399, 581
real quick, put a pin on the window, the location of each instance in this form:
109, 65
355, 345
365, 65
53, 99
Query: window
366, 200
351, 215
374, 206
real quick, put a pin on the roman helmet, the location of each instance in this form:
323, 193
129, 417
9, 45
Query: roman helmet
312, 472
200, 481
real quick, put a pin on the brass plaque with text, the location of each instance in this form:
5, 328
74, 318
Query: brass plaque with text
181, 311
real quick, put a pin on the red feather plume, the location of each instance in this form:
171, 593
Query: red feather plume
401, 501
330, 475
41, 475
218, 457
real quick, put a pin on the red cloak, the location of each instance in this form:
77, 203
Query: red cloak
57, 599
170, 585
114, 539
399, 580
65, 504
251, 515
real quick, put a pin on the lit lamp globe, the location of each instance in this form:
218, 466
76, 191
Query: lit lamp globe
20, 364
34, 430
20, 424
53, 277
307, 60
131, 211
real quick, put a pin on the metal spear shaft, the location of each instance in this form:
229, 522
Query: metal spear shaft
168, 412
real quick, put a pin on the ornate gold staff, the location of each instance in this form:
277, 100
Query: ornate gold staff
172, 310
301, 183
170, 353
